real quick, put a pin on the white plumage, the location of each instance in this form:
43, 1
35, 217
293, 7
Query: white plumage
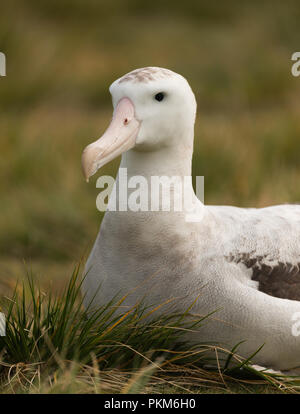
243, 262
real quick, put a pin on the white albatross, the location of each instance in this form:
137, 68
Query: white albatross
243, 262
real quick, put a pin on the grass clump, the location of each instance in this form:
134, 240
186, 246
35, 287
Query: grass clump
51, 345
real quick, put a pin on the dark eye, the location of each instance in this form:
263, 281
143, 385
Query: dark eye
159, 96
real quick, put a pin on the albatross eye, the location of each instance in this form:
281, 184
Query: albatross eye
159, 96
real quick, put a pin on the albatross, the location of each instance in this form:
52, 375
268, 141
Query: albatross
241, 262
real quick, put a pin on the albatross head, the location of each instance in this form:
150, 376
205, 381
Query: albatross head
153, 108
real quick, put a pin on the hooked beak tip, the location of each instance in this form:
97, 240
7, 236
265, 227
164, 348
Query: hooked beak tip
89, 156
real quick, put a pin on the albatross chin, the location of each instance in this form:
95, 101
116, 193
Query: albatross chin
242, 263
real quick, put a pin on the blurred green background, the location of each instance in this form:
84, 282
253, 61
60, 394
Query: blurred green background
62, 56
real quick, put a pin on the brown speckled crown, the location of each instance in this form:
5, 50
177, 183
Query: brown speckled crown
146, 75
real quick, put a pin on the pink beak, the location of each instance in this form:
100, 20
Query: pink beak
119, 137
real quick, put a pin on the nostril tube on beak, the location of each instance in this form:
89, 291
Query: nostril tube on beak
119, 137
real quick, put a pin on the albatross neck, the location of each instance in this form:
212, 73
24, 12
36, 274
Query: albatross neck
174, 163
167, 161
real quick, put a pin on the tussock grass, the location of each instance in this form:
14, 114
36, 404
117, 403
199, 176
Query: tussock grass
52, 346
